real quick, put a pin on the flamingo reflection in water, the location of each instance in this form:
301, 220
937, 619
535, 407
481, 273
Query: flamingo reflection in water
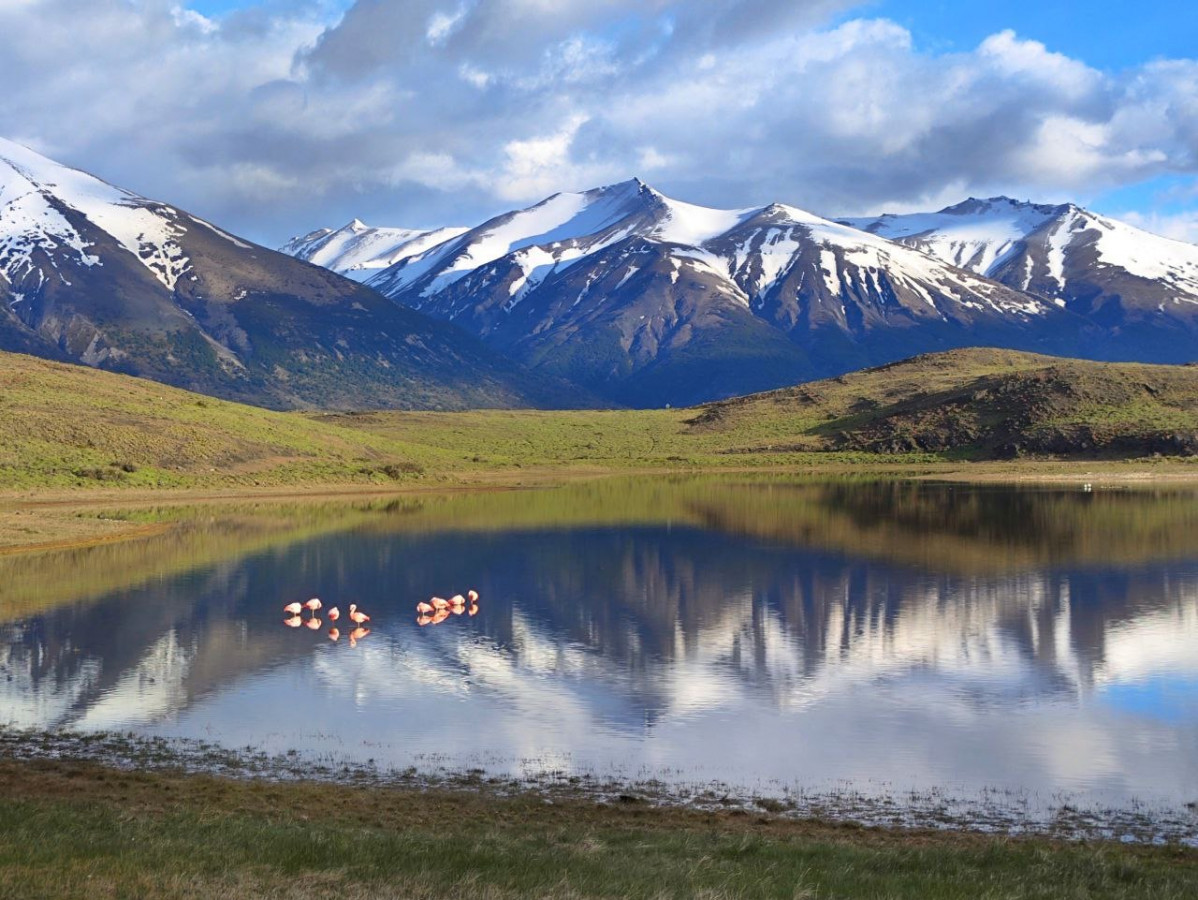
438, 609
296, 619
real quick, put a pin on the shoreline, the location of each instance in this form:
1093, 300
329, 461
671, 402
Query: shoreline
991, 813
42, 520
153, 829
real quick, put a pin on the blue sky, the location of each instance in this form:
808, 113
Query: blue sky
1108, 34
278, 117
1100, 33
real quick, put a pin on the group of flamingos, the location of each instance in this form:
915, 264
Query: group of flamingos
434, 612
438, 609
313, 606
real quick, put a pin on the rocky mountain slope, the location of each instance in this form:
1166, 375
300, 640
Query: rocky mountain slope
1140, 288
359, 251
648, 300
95, 274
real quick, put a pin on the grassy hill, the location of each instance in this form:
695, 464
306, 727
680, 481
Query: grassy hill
69, 426
64, 425
958, 405
981, 404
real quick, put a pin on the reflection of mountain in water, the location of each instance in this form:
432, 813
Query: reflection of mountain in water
634, 622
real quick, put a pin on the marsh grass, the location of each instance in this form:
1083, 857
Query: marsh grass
74, 829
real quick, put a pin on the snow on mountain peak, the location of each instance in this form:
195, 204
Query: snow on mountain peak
38, 197
359, 251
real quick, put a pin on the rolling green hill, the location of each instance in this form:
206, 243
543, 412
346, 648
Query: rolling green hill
981, 404
64, 425
959, 405
67, 426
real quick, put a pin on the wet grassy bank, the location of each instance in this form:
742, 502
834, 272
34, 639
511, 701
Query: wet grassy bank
84, 829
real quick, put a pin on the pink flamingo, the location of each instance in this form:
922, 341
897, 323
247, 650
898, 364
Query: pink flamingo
334, 614
439, 603
472, 596
313, 604
357, 617
425, 609
294, 608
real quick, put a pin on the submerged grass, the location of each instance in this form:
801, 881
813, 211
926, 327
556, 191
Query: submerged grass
79, 829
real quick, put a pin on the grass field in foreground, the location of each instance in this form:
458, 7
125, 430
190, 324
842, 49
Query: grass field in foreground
75, 830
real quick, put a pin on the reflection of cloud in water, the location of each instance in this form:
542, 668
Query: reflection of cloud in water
152, 690
709, 651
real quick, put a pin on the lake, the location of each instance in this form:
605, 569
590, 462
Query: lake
771, 634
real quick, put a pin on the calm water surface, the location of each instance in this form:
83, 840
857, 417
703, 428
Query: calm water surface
769, 634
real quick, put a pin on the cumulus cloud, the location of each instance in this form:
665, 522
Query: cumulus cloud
1179, 226
287, 116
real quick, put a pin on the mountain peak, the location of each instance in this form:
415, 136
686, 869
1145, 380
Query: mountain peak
630, 188
1002, 204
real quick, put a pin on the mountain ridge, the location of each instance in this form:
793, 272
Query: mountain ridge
93, 273
630, 293
1114, 274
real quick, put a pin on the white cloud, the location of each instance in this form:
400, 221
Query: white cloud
281, 118
1179, 226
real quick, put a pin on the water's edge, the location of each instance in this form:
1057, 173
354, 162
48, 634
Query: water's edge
991, 812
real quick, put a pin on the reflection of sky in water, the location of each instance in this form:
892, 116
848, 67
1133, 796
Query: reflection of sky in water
691, 652
1172, 699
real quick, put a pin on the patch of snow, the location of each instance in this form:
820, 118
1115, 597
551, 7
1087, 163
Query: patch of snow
685, 223
148, 230
237, 242
978, 236
632, 270
830, 270
1147, 255
1059, 240
359, 251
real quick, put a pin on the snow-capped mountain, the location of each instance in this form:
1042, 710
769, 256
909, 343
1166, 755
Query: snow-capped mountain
651, 300
1113, 273
359, 251
96, 274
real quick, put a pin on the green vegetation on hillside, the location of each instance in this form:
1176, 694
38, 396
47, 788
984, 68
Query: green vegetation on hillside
68, 426
959, 405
